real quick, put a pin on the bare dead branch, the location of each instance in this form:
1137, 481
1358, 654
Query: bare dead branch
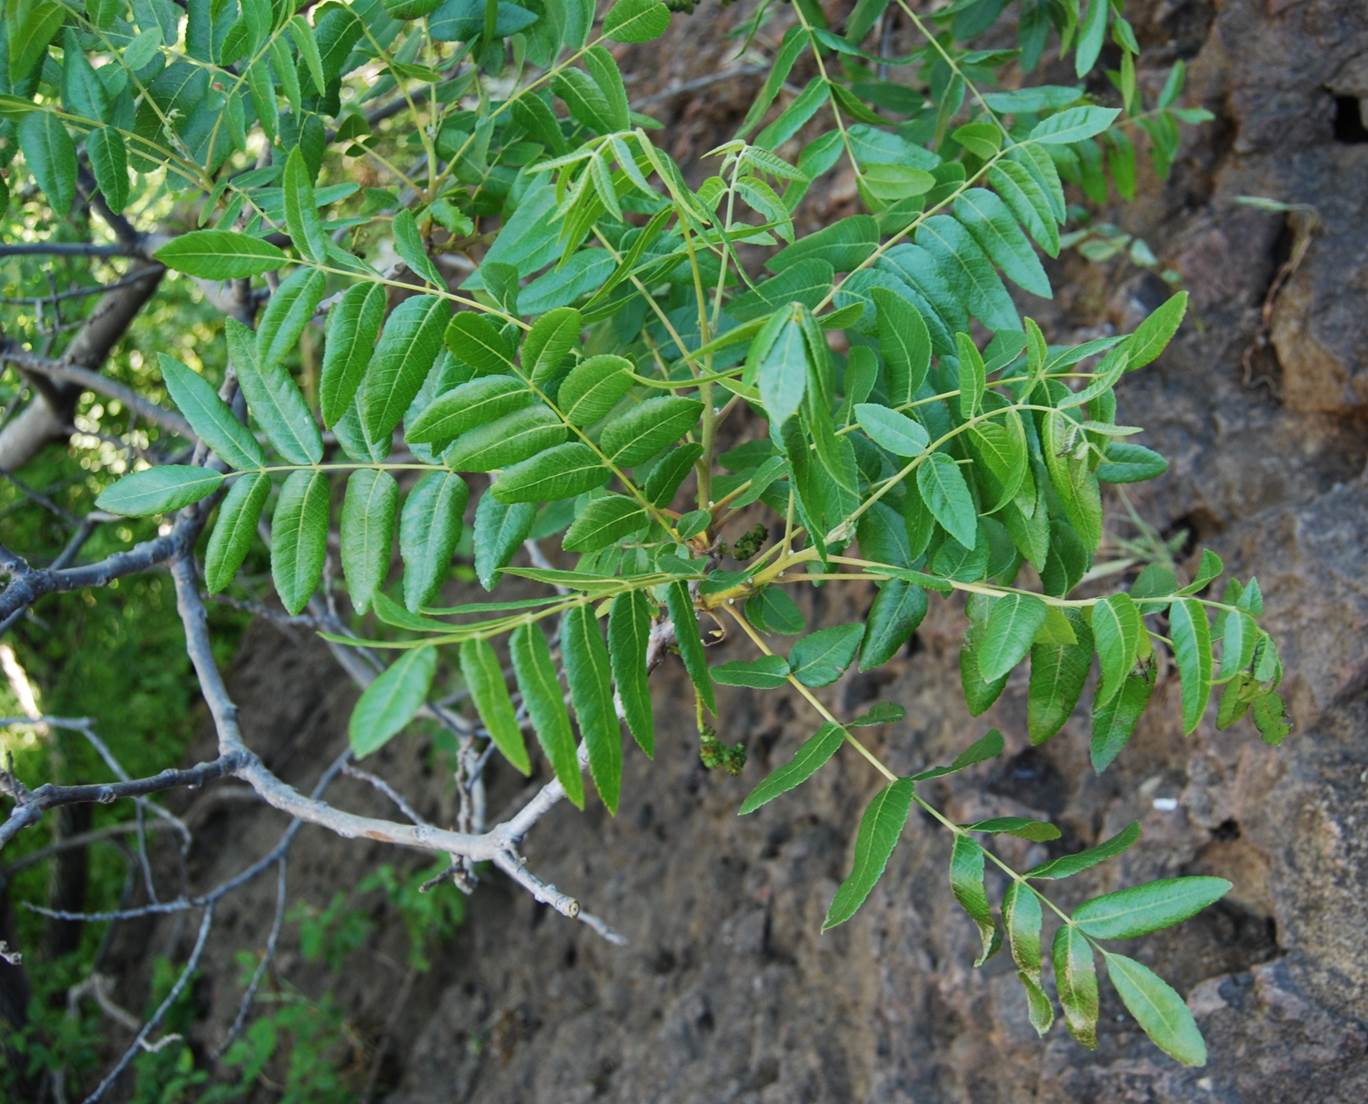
30, 805
80, 292
66, 843
378, 783
87, 380
47, 417
28, 584
272, 940
69, 249
140, 1040
684, 88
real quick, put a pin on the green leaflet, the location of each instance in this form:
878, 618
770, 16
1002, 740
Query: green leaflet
1058, 672
303, 36
109, 162
997, 233
1209, 568
287, 313
262, 92
811, 755
485, 679
882, 537
845, 245
603, 69
773, 611
408, 346
1147, 908
541, 691
794, 45
1127, 462
1160, 1011
353, 325
778, 362
1155, 332
500, 530
965, 268
1269, 713
972, 380
209, 416
1114, 721
548, 343
966, 882
586, 101
391, 701
603, 523
687, 638
1028, 203
560, 472
946, 495
589, 673
646, 429
819, 658
673, 468
979, 692
408, 243
159, 490
986, 747
1091, 32
880, 827
301, 209
51, 157
429, 527
1073, 481
1076, 983
792, 119
220, 255
896, 614
389, 612
593, 388
275, 401
636, 20
1004, 468
299, 537
629, 631
369, 509
235, 529
891, 430
467, 406
1023, 827
1068, 865
1021, 916
802, 284
1192, 652
1041, 167
1073, 125
1117, 629
524, 434
30, 28
1006, 637
764, 673
583, 274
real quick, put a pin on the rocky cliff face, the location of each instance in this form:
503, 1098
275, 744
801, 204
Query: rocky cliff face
727, 992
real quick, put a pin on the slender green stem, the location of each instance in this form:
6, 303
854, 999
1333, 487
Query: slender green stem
883, 769
953, 66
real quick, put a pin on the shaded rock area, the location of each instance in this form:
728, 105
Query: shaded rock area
727, 992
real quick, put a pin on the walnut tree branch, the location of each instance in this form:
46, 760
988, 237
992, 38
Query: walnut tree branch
30, 805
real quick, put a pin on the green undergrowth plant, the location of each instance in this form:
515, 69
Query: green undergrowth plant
535, 324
